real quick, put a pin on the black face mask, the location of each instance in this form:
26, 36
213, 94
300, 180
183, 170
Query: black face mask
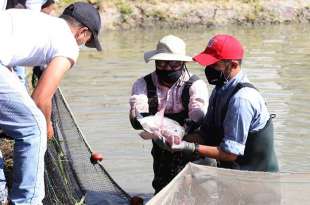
170, 76
215, 77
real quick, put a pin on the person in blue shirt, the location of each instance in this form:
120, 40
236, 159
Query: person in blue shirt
237, 129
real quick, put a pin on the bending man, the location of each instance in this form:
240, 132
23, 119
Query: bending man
32, 38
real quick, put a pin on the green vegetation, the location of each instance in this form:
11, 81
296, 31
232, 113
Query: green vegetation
158, 14
124, 7
258, 9
125, 14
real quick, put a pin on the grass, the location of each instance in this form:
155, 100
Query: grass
124, 7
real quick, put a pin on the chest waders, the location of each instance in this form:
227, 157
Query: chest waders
167, 165
259, 154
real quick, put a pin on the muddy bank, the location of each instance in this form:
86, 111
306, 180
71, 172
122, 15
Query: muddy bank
126, 14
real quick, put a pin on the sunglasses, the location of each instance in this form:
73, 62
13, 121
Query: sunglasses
172, 64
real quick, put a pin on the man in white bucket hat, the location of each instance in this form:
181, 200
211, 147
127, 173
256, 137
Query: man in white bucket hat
175, 92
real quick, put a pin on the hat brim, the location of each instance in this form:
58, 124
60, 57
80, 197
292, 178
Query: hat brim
94, 43
205, 59
155, 55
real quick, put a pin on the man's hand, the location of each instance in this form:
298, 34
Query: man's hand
50, 131
139, 102
184, 147
46, 87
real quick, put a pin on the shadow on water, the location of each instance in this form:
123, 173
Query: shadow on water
98, 88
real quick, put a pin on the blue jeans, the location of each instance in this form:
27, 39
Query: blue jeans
21, 119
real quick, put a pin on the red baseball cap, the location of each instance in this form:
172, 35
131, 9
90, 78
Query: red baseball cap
220, 47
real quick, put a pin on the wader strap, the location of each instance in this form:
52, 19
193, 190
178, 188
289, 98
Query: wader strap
151, 94
217, 133
236, 89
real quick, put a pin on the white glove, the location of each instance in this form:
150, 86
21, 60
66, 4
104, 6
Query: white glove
184, 147
139, 102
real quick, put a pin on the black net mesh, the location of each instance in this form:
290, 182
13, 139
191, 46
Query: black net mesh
70, 177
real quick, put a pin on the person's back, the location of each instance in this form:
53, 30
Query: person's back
35, 6
36, 43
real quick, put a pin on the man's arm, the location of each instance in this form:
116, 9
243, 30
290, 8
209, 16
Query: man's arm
215, 153
204, 151
3, 5
47, 85
138, 102
236, 125
197, 106
198, 102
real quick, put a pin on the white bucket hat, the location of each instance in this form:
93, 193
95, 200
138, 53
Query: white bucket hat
168, 48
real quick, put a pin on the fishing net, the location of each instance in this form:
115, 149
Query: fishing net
198, 184
70, 177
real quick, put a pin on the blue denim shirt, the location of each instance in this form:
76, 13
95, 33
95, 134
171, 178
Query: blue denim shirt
246, 112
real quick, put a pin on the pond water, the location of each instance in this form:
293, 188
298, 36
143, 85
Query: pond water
277, 61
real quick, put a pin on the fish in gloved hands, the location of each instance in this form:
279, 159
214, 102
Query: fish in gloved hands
164, 131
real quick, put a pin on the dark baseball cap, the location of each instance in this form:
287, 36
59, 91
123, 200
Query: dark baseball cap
87, 15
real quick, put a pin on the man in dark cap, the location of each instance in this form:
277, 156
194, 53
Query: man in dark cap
32, 38
237, 129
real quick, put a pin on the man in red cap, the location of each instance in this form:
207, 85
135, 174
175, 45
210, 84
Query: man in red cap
237, 128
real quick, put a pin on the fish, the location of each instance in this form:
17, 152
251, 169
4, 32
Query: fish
157, 126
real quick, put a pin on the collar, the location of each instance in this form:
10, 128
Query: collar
232, 82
